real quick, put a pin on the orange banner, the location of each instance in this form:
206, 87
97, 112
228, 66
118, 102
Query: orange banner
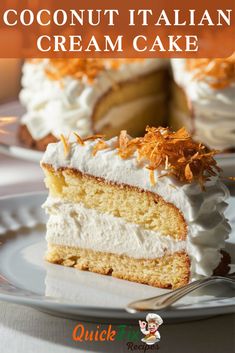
130, 29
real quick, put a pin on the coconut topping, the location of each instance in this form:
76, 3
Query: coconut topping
78, 68
176, 153
220, 72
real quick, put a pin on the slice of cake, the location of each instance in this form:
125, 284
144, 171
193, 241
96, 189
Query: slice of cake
146, 209
90, 96
204, 100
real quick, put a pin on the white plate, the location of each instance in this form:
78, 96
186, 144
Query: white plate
10, 144
25, 278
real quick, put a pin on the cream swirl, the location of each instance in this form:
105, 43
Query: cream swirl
60, 106
214, 109
202, 210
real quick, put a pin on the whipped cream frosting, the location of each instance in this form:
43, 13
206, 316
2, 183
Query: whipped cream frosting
203, 211
65, 105
213, 109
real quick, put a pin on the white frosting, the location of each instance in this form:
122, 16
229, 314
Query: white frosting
62, 106
87, 228
214, 109
203, 211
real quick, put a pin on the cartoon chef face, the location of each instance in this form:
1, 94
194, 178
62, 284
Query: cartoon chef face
152, 326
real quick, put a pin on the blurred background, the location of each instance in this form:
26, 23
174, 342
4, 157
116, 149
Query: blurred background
10, 73
16, 175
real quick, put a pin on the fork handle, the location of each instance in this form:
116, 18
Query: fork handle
167, 299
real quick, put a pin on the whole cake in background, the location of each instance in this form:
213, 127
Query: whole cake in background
90, 96
204, 100
147, 209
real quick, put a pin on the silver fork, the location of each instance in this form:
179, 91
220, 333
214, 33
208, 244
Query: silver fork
163, 301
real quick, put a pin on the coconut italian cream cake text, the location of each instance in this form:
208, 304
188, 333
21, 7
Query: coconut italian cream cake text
147, 209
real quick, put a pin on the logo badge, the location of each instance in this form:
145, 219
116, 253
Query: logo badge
150, 328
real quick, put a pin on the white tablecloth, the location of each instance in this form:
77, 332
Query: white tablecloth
25, 330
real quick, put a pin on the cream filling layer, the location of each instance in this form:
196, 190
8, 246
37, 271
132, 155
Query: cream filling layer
122, 113
74, 225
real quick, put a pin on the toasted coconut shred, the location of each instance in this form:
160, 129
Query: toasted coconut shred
66, 144
152, 177
77, 68
93, 137
175, 153
79, 139
80, 68
221, 72
101, 145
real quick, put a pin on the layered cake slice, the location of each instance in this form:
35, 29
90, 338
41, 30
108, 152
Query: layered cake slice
90, 96
148, 209
204, 100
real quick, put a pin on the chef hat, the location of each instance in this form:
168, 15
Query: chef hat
154, 318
